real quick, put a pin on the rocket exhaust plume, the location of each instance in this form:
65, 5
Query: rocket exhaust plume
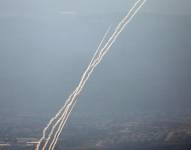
57, 123
51, 122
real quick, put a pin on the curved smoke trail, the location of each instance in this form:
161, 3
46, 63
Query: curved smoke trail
65, 111
73, 93
80, 85
104, 51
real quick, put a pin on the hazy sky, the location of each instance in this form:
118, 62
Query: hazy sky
28, 7
43, 51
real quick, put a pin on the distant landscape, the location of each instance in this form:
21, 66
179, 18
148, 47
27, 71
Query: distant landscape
84, 133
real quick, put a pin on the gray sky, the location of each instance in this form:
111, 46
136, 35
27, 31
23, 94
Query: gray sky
34, 7
43, 56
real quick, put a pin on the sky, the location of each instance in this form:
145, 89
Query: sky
32, 7
45, 46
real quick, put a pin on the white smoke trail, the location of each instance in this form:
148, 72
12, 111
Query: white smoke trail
51, 122
121, 26
93, 64
105, 49
56, 136
78, 89
73, 93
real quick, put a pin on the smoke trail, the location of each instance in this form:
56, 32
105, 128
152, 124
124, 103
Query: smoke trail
56, 136
94, 62
91, 66
105, 49
122, 25
78, 89
73, 93
51, 122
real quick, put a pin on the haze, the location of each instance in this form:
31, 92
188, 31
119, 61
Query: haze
46, 45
